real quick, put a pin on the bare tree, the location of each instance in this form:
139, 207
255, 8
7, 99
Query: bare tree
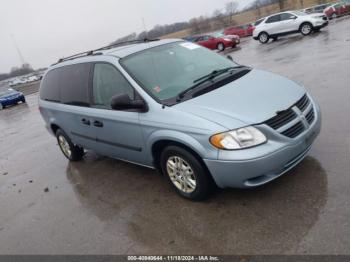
281, 4
231, 9
220, 18
256, 5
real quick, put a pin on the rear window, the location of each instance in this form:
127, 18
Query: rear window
68, 85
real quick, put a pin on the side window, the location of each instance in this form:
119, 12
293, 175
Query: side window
107, 82
273, 19
74, 84
286, 16
68, 85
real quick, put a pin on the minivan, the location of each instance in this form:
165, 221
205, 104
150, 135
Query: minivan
198, 117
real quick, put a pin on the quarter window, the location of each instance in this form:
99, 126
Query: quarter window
108, 82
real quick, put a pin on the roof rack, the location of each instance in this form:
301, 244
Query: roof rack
93, 52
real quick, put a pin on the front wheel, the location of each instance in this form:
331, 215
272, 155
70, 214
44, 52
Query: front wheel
185, 173
70, 151
306, 28
264, 38
221, 47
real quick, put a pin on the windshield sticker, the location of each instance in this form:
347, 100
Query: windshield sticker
157, 89
190, 46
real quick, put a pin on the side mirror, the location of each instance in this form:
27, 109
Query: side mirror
123, 102
294, 17
230, 58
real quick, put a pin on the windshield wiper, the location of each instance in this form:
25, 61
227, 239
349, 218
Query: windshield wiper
208, 77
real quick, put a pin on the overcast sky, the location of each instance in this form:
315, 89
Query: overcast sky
46, 30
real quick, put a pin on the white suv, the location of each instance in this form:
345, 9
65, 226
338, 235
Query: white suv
288, 23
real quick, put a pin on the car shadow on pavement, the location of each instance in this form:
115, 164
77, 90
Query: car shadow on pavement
138, 204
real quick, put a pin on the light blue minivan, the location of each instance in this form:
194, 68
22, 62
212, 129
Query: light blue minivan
198, 117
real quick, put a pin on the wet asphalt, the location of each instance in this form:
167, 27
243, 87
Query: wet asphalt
104, 206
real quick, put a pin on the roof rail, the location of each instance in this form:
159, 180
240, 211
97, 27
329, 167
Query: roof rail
92, 52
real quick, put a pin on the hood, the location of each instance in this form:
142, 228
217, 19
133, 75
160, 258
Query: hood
231, 36
318, 15
252, 99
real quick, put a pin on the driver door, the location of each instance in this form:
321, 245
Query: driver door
288, 23
118, 133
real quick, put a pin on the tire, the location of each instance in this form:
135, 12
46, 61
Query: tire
221, 47
196, 184
23, 100
306, 29
72, 152
264, 38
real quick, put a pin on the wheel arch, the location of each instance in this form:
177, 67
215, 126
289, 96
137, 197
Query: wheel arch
160, 145
306, 22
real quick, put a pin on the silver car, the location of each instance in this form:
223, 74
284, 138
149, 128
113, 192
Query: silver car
198, 117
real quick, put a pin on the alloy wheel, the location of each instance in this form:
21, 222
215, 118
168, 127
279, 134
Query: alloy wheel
221, 47
263, 38
181, 174
64, 145
306, 29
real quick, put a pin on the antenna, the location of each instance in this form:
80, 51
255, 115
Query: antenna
17, 48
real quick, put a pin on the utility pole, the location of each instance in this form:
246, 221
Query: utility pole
17, 48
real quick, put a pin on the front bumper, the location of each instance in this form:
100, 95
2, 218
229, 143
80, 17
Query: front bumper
269, 161
319, 26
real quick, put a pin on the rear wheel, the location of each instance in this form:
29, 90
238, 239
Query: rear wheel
264, 38
221, 47
23, 100
306, 28
70, 151
185, 173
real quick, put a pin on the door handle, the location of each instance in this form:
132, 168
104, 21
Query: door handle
98, 124
85, 121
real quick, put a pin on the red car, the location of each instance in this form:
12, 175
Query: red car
241, 31
338, 9
217, 41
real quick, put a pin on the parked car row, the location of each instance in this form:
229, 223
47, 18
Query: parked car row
24, 80
305, 21
338, 9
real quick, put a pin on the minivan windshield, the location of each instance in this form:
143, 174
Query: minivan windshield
168, 70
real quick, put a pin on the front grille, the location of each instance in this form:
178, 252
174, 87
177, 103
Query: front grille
310, 117
281, 119
295, 130
303, 103
286, 117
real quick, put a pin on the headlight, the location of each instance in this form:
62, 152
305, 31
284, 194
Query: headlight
238, 139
